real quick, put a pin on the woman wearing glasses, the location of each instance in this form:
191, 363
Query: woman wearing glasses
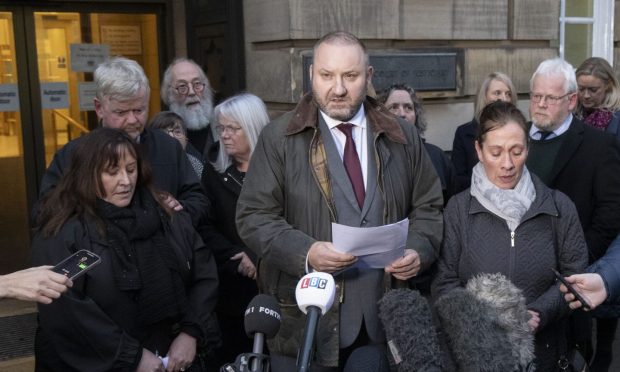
238, 123
171, 123
598, 96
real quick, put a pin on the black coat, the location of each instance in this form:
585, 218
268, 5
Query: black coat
587, 169
172, 171
477, 241
444, 169
464, 155
220, 234
95, 326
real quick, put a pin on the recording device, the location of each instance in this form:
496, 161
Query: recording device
77, 264
485, 326
571, 289
315, 294
408, 325
262, 320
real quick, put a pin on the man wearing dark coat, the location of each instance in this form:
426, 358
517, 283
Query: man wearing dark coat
299, 182
121, 102
578, 160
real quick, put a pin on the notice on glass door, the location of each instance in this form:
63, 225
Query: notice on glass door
86, 57
9, 98
54, 95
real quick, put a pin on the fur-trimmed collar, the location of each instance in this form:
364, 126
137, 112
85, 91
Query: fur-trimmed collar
305, 115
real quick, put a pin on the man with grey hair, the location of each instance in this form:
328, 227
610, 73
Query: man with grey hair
121, 102
577, 160
185, 89
341, 157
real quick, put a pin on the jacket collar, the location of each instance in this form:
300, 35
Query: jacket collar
543, 204
305, 115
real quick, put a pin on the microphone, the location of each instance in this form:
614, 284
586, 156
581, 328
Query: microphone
262, 319
315, 294
408, 325
486, 325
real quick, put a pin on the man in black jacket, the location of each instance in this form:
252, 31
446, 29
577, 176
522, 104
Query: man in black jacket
578, 160
121, 102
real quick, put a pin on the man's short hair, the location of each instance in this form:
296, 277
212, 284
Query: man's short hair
557, 67
120, 79
342, 38
166, 82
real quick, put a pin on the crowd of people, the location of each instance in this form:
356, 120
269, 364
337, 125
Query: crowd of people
202, 208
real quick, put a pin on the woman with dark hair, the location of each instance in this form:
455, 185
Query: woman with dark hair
238, 123
403, 102
598, 96
509, 222
495, 87
155, 290
173, 124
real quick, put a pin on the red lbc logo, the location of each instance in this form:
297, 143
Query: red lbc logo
314, 282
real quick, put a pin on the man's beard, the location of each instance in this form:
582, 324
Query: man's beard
344, 114
197, 116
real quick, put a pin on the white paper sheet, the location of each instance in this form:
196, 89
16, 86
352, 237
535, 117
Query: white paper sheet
374, 247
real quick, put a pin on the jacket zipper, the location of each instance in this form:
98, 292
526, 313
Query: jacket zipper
512, 239
234, 179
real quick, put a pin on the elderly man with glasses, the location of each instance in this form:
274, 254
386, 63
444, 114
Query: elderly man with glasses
186, 90
578, 160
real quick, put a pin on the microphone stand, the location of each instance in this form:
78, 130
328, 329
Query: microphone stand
303, 364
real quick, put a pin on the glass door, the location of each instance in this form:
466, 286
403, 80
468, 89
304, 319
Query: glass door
14, 237
47, 58
65, 42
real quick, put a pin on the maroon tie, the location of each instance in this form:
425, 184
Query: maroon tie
352, 163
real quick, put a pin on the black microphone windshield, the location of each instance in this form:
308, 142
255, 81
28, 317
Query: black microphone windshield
262, 316
409, 329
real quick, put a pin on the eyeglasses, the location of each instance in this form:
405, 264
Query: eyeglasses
550, 100
176, 132
221, 129
183, 89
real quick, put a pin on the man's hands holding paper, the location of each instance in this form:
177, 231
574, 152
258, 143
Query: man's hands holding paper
322, 256
405, 267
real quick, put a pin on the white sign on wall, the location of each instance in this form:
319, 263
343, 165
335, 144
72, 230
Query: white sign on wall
54, 95
9, 98
86, 57
86, 93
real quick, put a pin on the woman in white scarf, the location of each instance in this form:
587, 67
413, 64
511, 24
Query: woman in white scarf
509, 222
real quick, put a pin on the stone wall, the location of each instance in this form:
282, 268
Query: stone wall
512, 36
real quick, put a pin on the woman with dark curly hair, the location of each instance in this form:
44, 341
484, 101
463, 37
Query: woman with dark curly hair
155, 290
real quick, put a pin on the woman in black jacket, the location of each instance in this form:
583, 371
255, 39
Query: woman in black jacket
154, 292
239, 121
509, 222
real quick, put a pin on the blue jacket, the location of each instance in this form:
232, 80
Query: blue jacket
608, 267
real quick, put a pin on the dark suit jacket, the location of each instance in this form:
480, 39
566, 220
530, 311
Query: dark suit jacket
587, 169
464, 155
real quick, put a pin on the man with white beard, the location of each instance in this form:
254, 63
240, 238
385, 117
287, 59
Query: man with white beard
186, 90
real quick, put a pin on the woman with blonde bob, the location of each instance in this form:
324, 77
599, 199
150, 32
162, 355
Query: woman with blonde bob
496, 86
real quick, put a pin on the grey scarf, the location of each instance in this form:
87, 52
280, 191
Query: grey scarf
509, 205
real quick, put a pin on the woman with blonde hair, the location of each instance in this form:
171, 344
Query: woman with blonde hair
496, 86
598, 95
